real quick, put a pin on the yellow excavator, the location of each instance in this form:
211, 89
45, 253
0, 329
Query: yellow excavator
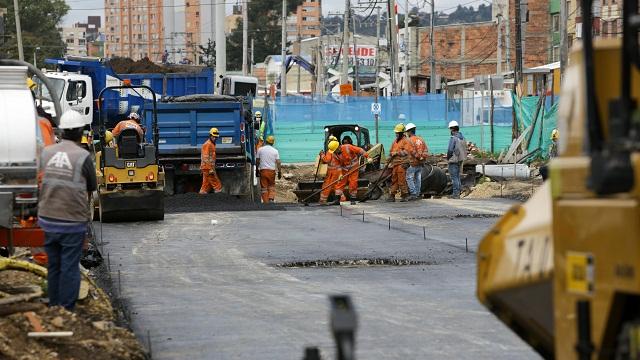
563, 270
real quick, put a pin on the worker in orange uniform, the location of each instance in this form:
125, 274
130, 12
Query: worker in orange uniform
350, 161
210, 178
417, 159
44, 119
267, 161
400, 152
334, 173
133, 122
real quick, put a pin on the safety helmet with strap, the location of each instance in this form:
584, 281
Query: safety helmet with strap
271, 140
333, 145
453, 124
410, 126
214, 132
71, 119
399, 128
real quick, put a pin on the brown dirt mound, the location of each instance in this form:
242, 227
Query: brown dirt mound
128, 66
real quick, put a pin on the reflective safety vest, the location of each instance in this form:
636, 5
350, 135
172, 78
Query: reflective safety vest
332, 160
350, 155
63, 194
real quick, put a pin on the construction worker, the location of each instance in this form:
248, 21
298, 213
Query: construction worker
456, 154
108, 138
210, 178
350, 156
133, 122
400, 152
267, 161
69, 176
260, 129
553, 147
333, 179
416, 162
45, 122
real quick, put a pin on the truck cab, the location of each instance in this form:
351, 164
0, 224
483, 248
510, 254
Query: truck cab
75, 92
236, 85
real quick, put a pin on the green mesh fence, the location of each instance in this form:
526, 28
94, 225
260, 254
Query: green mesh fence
547, 120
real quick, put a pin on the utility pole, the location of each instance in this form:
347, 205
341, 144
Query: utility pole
407, 59
345, 44
518, 72
499, 49
252, 58
564, 48
283, 51
356, 83
491, 106
376, 116
393, 43
299, 53
432, 82
507, 37
221, 41
245, 38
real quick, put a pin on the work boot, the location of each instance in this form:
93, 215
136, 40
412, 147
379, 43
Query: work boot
404, 198
353, 202
336, 202
391, 199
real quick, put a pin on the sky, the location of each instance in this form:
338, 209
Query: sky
80, 9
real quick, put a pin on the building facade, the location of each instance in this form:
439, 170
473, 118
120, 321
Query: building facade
304, 24
134, 29
192, 28
75, 40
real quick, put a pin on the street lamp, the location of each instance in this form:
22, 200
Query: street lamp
35, 52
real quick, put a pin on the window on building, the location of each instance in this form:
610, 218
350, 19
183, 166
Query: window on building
556, 22
70, 41
555, 53
197, 13
81, 41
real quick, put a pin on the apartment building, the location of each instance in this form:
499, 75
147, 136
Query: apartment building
74, 39
134, 29
305, 23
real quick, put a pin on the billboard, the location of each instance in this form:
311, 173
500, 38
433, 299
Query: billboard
366, 55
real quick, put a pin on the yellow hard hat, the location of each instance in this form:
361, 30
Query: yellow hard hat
31, 84
271, 139
399, 128
214, 132
108, 136
333, 145
258, 114
332, 138
85, 140
555, 134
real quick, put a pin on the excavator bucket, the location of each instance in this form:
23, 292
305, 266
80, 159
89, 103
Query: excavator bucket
132, 205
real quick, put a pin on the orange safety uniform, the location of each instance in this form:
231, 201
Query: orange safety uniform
267, 185
210, 178
400, 162
48, 137
334, 171
420, 150
128, 124
349, 156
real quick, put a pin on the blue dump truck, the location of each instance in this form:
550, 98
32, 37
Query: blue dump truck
187, 109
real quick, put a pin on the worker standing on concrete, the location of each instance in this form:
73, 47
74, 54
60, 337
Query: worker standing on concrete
133, 122
456, 154
400, 151
260, 129
417, 158
69, 176
210, 178
553, 148
350, 156
267, 161
334, 173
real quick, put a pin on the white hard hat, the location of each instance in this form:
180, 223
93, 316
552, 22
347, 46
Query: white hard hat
409, 126
453, 123
402, 117
134, 115
71, 119
258, 114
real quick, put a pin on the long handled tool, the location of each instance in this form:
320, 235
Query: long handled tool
333, 183
377, 182
315, 177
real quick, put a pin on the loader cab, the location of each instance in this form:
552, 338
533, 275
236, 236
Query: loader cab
358, 134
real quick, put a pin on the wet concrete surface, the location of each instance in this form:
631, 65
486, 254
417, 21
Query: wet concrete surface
213, 285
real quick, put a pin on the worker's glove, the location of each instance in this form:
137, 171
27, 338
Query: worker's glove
366, 155
393, 154
279, 175
339, 177
212, 172
369, 161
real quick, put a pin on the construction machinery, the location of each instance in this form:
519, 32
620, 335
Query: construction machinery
20, 147
130, 179
563, 269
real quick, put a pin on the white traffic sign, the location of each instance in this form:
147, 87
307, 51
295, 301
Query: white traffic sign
376, 108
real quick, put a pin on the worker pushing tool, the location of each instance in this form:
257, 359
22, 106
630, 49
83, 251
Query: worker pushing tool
456, 153
400, 150
334, 172
210, 178
267, 161
350, 156
69, 176
417, 159
133, 122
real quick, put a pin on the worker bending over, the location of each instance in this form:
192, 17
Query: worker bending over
267, 161
416, 161
350, 156
133, 122
400, 150
210, 178
333, 180
63, 209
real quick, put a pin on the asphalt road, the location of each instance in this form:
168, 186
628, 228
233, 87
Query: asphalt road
220, 285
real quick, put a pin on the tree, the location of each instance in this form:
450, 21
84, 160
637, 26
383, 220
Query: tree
208, 53
264, 28
39, 20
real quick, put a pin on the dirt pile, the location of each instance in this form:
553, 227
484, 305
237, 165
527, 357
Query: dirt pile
510, 189
292, 174
123, 65
94, 336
